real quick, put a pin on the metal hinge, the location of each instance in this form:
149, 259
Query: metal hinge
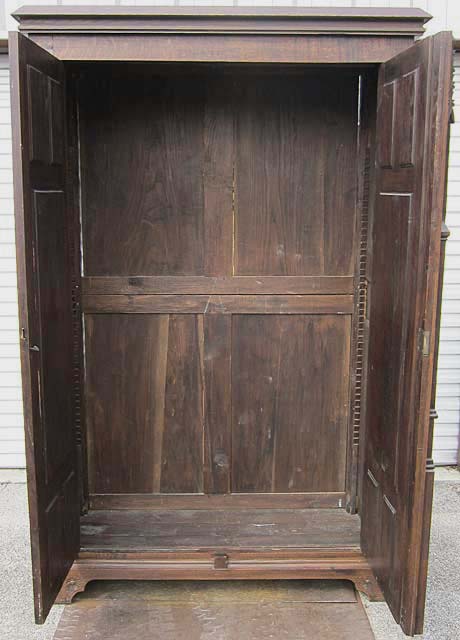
426, 339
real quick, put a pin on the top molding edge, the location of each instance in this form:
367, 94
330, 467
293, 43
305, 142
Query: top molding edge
282, 20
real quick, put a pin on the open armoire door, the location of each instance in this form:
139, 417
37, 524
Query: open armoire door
45, 314
210, 320
413, 108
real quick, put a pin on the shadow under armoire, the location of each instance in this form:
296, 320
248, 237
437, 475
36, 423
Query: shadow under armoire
229, 240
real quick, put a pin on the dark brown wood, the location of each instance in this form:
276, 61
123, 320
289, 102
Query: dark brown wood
173, 212
45, 306
215, 304
184, 406
228, 501
166, 395
121, 443
308, 229
324, 564
360, 327
316, 49
235, 389
255, 285
436, 193
217, 409
147, 531
251, 20
147, 405
153, 222
74, 233
174, 611
412, 123
281, 405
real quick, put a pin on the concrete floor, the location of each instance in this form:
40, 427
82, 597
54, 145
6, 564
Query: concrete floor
443, 599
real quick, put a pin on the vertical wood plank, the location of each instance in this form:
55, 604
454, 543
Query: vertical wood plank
256, 352
290, 403
217, 407
159, 394
182, 455
121, 385
143, 133
218, 178
295, 138
312, 404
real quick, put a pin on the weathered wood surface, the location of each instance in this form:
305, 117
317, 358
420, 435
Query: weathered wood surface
219, 20
316, 49
192, 160
216, 403
414, 94
288, 219
301, 500
215, 304
43, 224
290, 390
245, 528
255, 285
145, 412
228, 611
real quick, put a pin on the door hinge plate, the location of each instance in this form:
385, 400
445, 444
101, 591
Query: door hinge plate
426, 340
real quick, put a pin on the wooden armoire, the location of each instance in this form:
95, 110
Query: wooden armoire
229, 241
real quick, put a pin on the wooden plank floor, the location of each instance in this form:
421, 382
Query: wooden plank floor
291, 610
127, 530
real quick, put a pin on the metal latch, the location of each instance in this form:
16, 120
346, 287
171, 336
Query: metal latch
221, 561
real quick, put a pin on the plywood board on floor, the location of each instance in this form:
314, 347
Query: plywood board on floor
294, 610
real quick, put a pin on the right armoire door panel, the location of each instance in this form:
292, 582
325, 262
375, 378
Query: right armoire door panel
413, 110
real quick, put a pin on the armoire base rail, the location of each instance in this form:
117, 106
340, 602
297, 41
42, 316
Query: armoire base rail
348, 565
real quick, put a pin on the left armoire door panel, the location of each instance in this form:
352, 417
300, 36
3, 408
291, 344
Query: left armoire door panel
44, 273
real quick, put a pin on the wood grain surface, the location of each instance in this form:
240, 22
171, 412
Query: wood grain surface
143, 531
290, 389
194, 611
293, 138
192, 159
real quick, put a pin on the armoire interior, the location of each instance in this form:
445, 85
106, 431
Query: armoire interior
228, 231
224, 225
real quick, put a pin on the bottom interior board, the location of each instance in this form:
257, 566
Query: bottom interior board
126, 530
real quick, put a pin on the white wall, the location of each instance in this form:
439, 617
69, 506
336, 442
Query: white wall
448, 393
447, 431
11, 422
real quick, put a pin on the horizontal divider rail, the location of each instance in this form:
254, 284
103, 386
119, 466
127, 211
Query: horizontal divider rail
235, 285
318, 500
218, 304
